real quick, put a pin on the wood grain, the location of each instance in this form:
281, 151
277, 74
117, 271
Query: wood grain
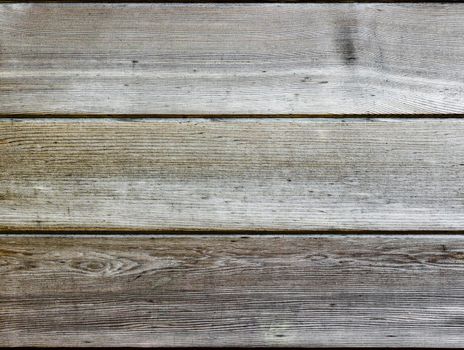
232, 174
232, 291
75, 58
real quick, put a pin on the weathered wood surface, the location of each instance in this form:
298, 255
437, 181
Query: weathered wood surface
232, 291
306, 58
232, 174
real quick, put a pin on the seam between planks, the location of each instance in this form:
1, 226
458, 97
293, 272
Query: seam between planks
229, 1
37, 232
229, 116
115, 234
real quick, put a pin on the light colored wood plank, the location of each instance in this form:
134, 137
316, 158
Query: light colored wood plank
232, 174
232, 291
231, 58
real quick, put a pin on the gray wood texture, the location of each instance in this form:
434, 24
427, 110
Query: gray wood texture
76, 58
232, 174
396, 290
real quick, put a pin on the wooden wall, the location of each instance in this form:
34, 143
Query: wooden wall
231, 174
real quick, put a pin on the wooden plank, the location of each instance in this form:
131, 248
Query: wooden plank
317, 291
232, 174
74, 58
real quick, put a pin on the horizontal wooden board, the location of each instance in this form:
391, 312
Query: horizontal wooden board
232, 291
75, 58
232, 174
